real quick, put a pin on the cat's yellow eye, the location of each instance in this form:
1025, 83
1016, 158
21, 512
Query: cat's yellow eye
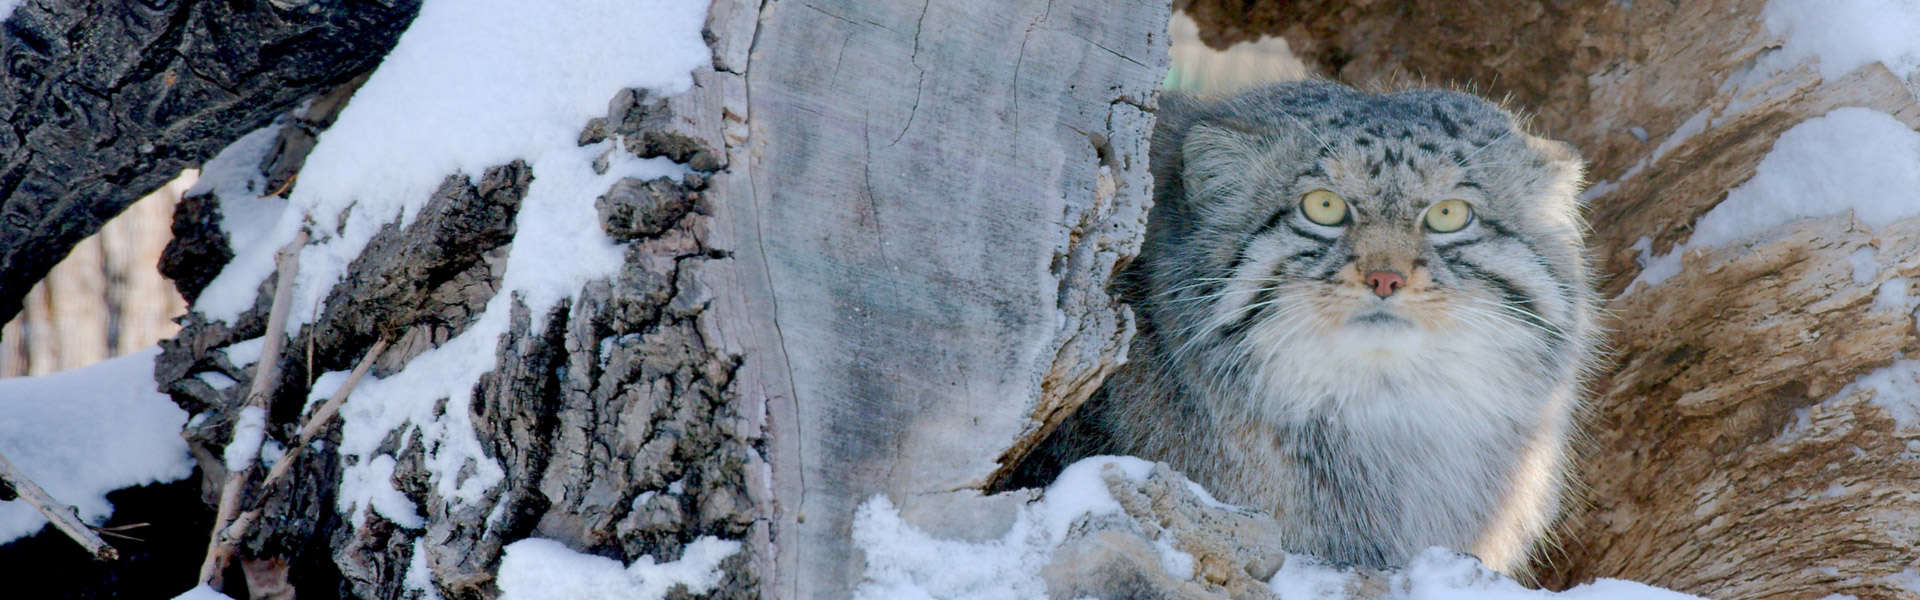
1449, 216
1324, 207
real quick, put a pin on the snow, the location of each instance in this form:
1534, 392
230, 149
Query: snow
244, 353
215, 379
1846, 34
541, 569
1692, 126
1896, 389
233, 177
370, 485
1852, 159
1439, 574
1893, 295
905, 562
85, 432
419, 576
1908, 579
248, 430
469, 86
1865, 267
202, 592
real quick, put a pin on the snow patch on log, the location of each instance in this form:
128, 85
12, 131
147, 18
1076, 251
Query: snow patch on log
541, 569
86, 432
467, 87
1851, 159
234, 178
1896, 389
1846, 35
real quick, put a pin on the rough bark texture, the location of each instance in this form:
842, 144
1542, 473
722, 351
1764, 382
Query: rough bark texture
105, 101
1726, 461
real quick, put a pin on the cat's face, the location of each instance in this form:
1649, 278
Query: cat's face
1392, 230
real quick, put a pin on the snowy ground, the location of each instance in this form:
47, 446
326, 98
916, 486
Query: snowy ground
85, 432
904, 562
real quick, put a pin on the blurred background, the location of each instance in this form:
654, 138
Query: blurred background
106, 299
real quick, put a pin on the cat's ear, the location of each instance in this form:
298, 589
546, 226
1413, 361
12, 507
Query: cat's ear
1216, 160
1563, 170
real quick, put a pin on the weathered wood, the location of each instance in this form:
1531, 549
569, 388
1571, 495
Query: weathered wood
1727, 460
939, 195
61, 516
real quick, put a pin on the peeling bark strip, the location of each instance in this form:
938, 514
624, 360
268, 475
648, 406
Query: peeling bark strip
105, 101
1734, 456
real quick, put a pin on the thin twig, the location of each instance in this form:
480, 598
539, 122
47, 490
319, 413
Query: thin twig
61, 515
266, 377
316, 422
321, 416
283, 186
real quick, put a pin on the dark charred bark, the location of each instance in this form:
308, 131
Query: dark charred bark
105, 101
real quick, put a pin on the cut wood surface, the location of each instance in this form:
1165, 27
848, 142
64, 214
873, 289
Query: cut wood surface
939, 193
1733, 456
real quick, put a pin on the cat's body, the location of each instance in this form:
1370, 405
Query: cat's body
1376, 384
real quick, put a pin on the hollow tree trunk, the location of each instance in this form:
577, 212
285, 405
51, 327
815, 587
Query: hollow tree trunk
884, 274
1754, 431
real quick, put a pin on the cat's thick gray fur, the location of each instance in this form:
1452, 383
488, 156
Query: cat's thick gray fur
1269, 374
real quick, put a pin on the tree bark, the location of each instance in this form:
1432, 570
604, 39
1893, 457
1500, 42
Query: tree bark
106, 101
1731, 457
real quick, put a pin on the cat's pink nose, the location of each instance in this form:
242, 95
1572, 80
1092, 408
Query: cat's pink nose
1385, 283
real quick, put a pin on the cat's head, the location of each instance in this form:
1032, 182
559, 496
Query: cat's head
1365, 228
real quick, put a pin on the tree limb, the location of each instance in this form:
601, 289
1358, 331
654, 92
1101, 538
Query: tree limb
266, 378
61, 515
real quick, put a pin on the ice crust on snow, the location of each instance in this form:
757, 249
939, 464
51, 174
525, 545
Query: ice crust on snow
469, 86
541, 569
906, 562
1851, 159
85, 432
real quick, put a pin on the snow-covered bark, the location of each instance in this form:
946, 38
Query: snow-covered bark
1754, 204
695, 327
